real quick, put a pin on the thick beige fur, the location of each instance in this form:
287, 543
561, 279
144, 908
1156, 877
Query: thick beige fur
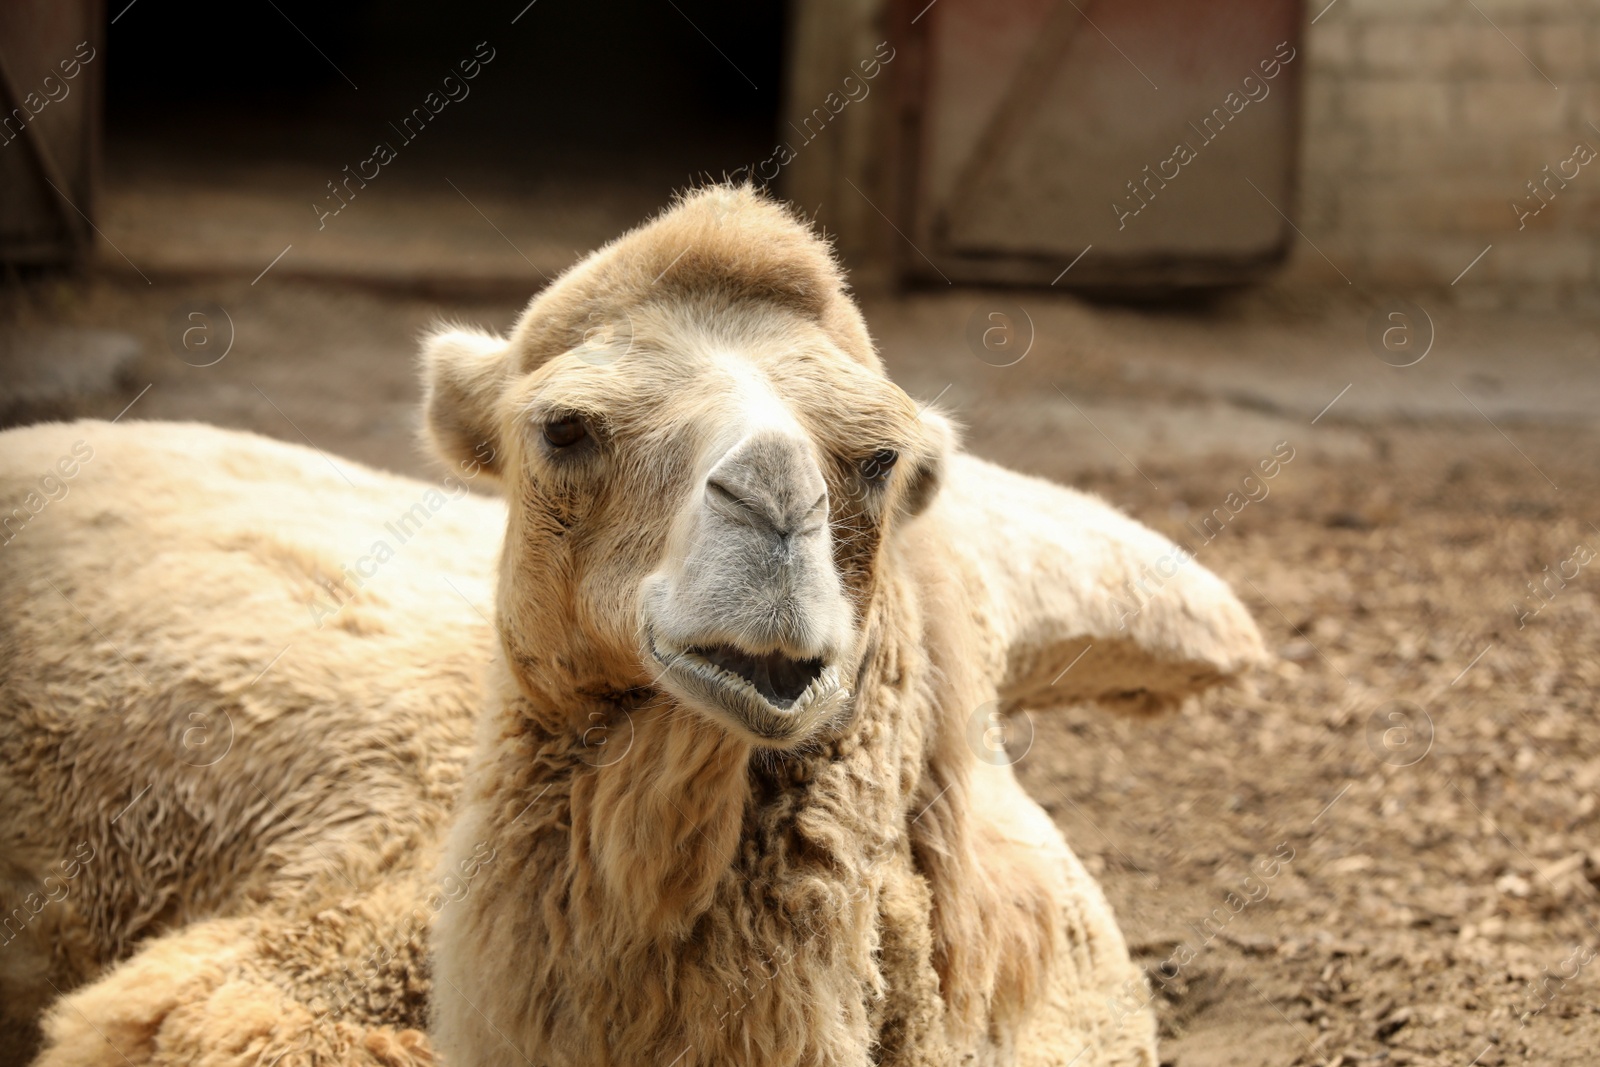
240, 779
626, 880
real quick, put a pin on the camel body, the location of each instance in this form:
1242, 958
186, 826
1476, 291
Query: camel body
271, 901
717, 782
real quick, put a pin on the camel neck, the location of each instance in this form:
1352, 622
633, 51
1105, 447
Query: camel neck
685, 889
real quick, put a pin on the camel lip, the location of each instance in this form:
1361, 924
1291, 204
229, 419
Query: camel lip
772, 696
780, 679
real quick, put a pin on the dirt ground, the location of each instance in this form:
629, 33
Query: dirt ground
1440, 904
1419, 761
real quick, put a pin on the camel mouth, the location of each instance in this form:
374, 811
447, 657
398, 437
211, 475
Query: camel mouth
781, 680
772, 697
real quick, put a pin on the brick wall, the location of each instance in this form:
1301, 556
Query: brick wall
1424, 122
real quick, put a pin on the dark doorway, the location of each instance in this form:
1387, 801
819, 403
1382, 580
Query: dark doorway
596, 113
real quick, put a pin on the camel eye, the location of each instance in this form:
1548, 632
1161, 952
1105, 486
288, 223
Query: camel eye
876, 467
565, 432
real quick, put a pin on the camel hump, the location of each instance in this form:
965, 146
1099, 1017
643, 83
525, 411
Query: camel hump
1083, 602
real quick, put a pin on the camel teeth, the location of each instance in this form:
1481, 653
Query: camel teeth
826, 680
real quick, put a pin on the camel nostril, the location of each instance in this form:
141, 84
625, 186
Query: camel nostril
770, 482
739, 505
720, 491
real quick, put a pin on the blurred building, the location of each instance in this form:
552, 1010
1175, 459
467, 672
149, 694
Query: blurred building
1142, 145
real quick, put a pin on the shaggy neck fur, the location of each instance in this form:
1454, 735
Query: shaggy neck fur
695, 901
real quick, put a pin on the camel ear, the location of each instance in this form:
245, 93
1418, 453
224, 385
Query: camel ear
1087, 604
463, 374
927, 477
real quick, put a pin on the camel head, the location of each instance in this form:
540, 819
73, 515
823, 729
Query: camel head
705, 465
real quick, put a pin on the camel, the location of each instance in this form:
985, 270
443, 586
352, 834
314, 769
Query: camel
717, 785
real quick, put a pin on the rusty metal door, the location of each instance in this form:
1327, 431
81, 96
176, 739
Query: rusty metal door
1155, 139
51, 66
